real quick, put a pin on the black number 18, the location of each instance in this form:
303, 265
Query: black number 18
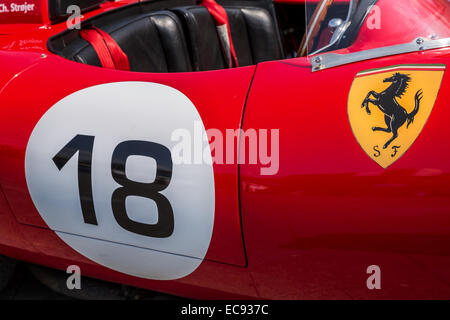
84, 144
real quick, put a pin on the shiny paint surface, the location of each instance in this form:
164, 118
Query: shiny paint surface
34, 36
308, 232
30, 12
331, 211
24, 49
389, 24
219, 109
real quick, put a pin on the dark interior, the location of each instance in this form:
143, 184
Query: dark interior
179, 36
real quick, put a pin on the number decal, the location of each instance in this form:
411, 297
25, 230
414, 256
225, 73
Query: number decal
108, 184
164, 227
83, 145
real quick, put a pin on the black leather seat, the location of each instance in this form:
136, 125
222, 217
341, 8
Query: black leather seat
253, 30
185, 39
153, 42
254, 35
201, 35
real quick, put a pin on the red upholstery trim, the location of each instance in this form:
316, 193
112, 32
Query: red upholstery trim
110, 54
221, 18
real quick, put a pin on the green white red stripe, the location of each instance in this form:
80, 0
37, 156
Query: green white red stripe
416, 67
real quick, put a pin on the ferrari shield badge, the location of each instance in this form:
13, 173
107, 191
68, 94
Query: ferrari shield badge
389, 107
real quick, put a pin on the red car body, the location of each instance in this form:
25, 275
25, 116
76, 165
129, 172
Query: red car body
308, 232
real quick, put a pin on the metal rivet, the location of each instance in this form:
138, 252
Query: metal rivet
420, 41
318, 60
43, 56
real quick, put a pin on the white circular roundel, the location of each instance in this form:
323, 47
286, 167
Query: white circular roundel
100, 171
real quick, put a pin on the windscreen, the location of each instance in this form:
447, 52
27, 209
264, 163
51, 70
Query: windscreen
357, 25
326, 22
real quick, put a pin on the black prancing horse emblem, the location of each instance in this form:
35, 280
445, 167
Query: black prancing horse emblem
395, 115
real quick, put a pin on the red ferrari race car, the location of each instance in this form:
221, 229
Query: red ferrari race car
284, 149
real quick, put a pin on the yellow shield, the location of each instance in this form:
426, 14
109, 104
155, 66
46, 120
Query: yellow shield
389, 107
